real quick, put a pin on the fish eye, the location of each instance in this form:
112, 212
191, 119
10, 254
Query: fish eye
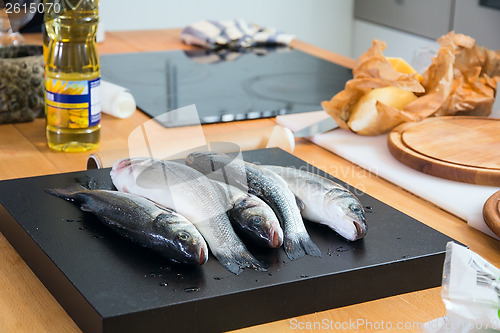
257, 220
355, 208
183, 236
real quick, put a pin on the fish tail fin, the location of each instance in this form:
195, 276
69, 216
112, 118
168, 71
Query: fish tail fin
69, 192
300, 245
251, 262
235, 261
229, 263
293, 248
309, 246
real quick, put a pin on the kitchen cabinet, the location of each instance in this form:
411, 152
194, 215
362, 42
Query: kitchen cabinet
410, 26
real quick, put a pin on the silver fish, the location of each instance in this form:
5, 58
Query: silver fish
269, 187
193, 195
142, 221
326, 202
253, 216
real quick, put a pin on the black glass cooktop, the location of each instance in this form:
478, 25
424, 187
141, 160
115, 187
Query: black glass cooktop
229, 88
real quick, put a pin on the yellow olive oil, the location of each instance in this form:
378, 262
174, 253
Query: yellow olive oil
72, 76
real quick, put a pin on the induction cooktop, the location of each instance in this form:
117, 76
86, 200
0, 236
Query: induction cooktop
229, 87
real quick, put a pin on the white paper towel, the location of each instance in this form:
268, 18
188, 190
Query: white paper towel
463, 200
116, 100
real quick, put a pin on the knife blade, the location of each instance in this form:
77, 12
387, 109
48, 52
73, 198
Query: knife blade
319, 127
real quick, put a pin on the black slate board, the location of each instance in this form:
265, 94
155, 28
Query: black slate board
107, 284
250, 87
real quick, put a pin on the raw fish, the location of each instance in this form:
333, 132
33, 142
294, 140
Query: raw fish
193, 195
269, 187
253, 217
326, 202
142, 221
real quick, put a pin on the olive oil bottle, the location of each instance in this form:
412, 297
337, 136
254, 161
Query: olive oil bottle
72, 75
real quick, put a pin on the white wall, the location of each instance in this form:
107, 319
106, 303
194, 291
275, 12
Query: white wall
324, 23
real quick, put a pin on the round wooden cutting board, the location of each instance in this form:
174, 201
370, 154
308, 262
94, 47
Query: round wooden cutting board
465, 149
491, 213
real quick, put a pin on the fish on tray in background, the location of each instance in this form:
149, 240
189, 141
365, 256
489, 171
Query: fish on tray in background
252, 216
141, 221
324, 201
269, 187
193, 195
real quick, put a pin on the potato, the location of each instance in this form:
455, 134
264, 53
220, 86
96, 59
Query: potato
402, 66
366, 118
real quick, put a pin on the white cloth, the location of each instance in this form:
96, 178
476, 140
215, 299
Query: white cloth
238, 33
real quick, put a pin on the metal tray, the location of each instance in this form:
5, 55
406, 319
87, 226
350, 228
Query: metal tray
108, 284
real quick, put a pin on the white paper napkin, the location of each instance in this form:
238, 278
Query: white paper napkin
116, 101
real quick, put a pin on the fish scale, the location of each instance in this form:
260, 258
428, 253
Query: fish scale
211, 206
269, 187
252, 216
324, 201
189, 192
142, 221
274, 189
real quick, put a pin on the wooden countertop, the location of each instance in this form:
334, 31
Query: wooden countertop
27, 306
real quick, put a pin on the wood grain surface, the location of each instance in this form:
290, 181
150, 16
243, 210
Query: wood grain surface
465, 149
27, 306
491, 213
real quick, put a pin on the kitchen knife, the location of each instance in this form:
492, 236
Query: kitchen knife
319, 127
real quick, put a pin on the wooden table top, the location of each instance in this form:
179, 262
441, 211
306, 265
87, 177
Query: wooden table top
27, 306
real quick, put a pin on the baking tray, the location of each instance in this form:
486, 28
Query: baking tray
108, 284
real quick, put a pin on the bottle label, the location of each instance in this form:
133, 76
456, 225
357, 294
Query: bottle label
73, 104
